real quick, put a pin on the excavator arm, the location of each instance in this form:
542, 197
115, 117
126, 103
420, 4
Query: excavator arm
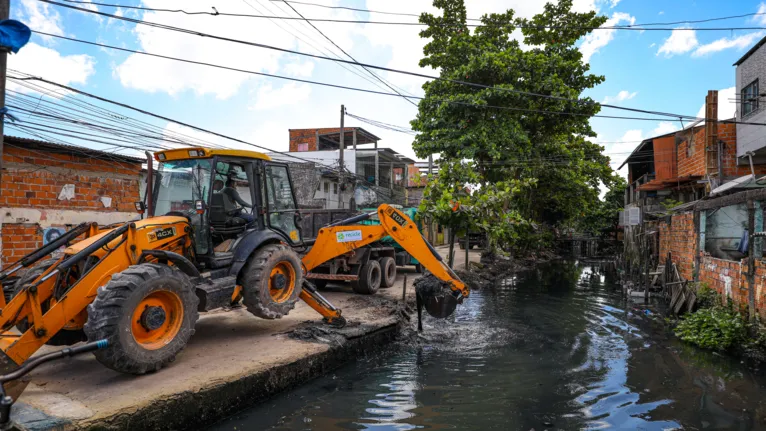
347, 235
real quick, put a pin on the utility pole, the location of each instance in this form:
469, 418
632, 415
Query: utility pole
342, 147
5, 13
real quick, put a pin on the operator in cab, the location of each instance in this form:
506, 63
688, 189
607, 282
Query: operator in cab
234, 199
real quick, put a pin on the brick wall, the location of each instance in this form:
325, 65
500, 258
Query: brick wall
32, 181
691, 154
309, 136
728, 278
692, 162
679, 239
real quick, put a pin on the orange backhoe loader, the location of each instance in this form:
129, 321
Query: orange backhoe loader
220, 228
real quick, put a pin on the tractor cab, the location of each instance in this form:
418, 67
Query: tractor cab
228, 196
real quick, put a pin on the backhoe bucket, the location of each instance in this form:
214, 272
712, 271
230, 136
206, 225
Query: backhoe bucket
436, 296
442, 306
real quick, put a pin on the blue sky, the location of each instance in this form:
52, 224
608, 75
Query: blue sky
658, 70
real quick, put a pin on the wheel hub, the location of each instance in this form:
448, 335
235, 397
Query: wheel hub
279, 281
153, 318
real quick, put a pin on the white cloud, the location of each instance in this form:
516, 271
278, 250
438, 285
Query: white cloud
289, 94
182, 136
299, 69
679, 42
596, 40
613, 3
50, 64
727, 107
622, 95
652, 45
619, 149
662, 12
40, 17
761, 17
157, 75
665, 127
740, 42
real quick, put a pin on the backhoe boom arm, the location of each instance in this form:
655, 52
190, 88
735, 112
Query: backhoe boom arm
341, 238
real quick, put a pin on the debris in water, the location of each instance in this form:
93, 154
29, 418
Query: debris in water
316, 333
429, 285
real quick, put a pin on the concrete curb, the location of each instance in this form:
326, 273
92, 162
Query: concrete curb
192, 410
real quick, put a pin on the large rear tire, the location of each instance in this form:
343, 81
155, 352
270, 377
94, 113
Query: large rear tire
388, 270
147, 313
319, 283
369, 278
64, 337
271, 281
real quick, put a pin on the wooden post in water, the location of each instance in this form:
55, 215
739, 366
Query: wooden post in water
648, 270
404, 291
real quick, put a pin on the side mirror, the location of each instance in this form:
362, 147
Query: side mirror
297, 218
140, 207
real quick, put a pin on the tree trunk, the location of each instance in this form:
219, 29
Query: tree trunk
451, 257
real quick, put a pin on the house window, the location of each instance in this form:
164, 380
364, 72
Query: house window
303, 147
335, 188
326, 187
750, 98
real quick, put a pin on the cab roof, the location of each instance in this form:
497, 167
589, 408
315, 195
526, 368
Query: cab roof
204, 153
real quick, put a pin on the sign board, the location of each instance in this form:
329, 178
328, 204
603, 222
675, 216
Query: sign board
349, 235
634, 216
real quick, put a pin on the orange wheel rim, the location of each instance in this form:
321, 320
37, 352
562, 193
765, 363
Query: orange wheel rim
157, 319
282, 282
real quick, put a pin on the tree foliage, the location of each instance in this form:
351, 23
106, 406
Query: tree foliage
529, 156
602, 216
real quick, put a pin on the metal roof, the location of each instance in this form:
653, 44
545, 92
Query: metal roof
26, 143
641, 146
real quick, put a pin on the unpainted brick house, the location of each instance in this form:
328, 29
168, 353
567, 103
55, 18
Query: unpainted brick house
46, 185
372, 175
713, 175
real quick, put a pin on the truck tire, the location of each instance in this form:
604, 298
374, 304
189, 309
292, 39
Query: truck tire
64, 337
147, 314
319, 283
271, 281
388, 272
369, 278
461, 244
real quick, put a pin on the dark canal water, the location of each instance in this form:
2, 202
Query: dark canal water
553, 348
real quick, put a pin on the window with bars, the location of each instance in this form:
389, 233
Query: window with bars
303, 147
749, 96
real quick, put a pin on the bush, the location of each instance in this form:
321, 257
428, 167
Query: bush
707, 297
717, 328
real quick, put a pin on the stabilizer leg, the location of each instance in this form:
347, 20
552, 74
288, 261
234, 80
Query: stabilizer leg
311, 296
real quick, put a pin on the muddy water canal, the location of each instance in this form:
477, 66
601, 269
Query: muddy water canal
557, 347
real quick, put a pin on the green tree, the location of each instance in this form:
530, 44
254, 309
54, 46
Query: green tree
536, 147
603, 217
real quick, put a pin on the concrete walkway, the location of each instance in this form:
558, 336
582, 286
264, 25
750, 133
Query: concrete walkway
234, 360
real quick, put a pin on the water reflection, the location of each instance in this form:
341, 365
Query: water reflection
556, 347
